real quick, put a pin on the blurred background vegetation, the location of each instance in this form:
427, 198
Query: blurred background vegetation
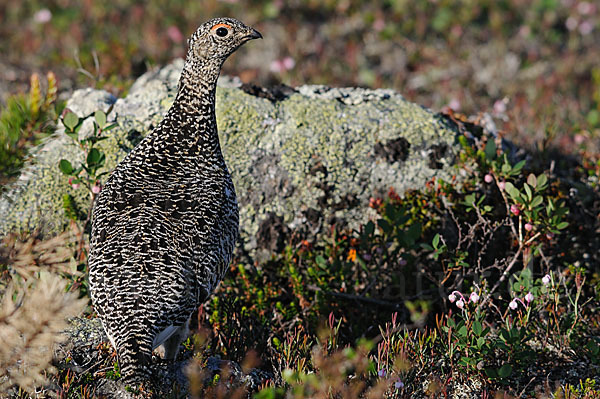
531, 63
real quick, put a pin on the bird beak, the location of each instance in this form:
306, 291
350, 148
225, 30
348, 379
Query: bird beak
253, 34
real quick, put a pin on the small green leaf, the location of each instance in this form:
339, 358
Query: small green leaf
470, 199
107, 128
321, 262
505, 370
490, 149
436, 240
93, 157
100, 117
541, 181
385, 226
65, 167
517, 168
412, 234
532, 180
369, 228
527, 191
512, 190
502, 346
101, 161
480, 342
537, 200
70, 120
562, 225
477, 328
491, 373
466, 361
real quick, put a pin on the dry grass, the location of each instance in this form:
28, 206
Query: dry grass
27, 257
34, 308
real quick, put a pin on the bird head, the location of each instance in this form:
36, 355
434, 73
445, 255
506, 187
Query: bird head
216, 39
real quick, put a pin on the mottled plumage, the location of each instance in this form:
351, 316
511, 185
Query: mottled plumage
166, 222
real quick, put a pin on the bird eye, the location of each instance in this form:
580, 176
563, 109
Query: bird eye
222, 32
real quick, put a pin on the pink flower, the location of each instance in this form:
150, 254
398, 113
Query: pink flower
74, 185
546, 280
488, 178
474, 297
454, 104
528, 226
499, 107
452, 298
586, 27
381, 373
501, 185
42, 16
174, 34
515, 209
571, 23
288, 63
529, 297
379, 24
585, 8
456, 31
96, 188
524, 31
513, 304
399, 384
460, 304
285, 64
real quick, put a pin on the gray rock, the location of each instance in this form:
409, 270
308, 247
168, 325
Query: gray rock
301, 159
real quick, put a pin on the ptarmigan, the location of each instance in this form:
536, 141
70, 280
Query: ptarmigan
166, 222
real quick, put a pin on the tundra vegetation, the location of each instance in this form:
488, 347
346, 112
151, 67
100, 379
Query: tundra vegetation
487, 287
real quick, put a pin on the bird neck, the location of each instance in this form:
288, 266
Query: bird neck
196, 90
193, 111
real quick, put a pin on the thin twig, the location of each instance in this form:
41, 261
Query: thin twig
357, 298
506, 272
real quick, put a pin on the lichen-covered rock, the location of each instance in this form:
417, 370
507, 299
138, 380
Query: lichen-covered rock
301, 158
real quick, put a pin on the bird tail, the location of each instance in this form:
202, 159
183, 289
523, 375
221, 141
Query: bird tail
135, 356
